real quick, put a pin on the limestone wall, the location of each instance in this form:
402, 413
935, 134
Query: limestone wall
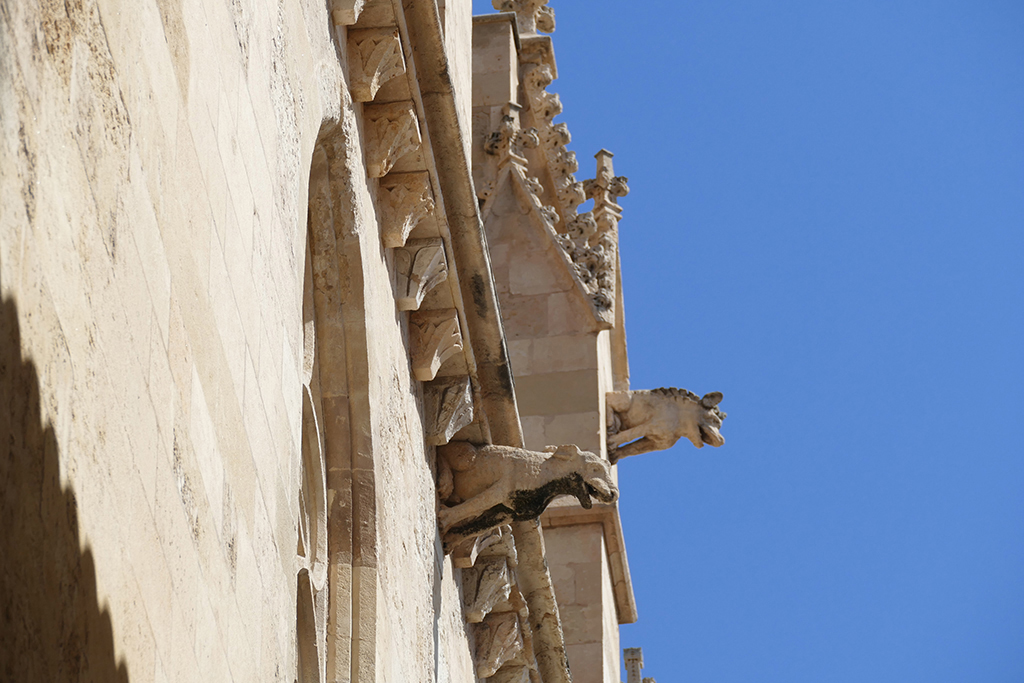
154, 171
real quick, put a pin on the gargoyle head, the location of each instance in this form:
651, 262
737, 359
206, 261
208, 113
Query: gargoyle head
594, 478
709, 422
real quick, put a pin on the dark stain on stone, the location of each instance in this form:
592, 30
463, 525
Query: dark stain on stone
479, 295
525, 504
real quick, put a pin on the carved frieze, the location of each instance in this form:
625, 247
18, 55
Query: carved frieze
498, 639
435, 337
374, 57
449, 408
419, 267
404, 199
392, 131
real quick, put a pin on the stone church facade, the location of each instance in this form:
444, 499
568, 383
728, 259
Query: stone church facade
310, 367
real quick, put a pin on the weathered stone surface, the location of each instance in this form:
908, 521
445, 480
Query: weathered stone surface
435, 337
419, 267
498, 639
489, 486
375, 57
448, 404
392, 131
404, 199
654, 419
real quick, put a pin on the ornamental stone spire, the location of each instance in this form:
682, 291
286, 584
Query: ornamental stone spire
532, 16
605, 189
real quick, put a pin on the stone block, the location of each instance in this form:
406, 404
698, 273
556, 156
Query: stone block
556, 393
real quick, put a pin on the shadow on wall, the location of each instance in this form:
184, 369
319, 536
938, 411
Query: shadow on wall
51, 627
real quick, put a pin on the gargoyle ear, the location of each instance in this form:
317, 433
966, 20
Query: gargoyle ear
711, 399
564, 452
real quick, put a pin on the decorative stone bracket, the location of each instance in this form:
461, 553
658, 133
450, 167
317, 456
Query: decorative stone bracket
392, 131
374, 57
404, 199
419, 267
449, 408
485, 584
436, 337
498, 640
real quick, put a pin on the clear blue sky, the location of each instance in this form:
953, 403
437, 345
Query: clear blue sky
826, 223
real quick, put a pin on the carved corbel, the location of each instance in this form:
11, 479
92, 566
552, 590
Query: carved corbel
486, 584
374, 57
436, 337
449, 408
419, 267
346, 12
392, 132
498, 639
511, 674
496, 542
404, 200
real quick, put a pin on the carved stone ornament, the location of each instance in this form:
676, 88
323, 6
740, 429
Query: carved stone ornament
531, 15
449, 408
392, 131
484, 585
374, 57
419, 267
435, 337
484, 487
604, 190
498, 639
497, 542
404, 199
590, 239
511, 674
346, 12
654, 419
509, 141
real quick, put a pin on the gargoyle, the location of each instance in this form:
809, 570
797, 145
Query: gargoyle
483, 487
654, 419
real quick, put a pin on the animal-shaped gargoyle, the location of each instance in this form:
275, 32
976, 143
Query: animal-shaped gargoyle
654, 419
483, 487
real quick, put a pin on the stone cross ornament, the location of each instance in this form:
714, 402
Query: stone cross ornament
484, 487
655, 419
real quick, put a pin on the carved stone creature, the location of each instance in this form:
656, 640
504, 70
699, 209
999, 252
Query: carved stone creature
487, 486
654, 419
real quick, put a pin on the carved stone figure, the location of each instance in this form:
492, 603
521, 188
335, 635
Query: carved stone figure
487, 486
654, 419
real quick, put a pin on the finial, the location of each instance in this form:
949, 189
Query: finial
531, 15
